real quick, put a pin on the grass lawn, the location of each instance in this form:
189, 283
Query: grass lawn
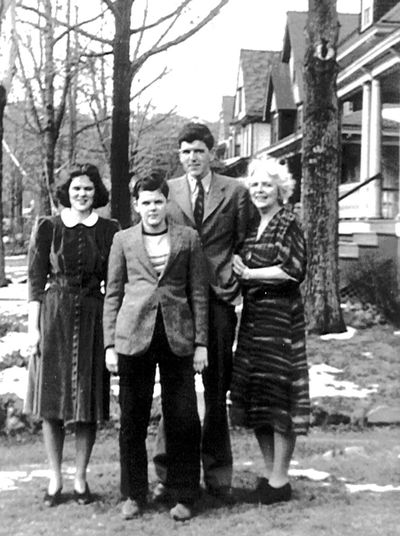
349, 454
321, 508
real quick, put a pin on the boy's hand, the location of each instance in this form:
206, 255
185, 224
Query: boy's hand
200, 359
112, 360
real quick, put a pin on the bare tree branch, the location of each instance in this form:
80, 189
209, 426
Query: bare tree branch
139, 41
96, 54
76, 27
29, 90
110, 5
161, 20
92, 125
158, 77
173, 42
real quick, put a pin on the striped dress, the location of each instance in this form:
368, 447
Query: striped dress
270, 374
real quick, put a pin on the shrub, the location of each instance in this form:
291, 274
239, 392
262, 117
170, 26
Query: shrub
374, 281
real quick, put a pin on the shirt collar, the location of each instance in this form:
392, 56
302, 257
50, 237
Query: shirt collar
69, 219
206, 181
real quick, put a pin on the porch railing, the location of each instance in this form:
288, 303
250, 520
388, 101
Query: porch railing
357, 207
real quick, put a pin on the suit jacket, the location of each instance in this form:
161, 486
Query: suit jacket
135, 292
226, 217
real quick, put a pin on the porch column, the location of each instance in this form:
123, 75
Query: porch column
365, 131
375, 149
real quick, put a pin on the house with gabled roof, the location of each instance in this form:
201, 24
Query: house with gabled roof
368, 87
283, 106
248, 131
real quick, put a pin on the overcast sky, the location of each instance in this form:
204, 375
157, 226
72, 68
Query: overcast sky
205, 68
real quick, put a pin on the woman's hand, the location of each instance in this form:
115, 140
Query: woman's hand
240, 269
33, 341
112, 360
200, 358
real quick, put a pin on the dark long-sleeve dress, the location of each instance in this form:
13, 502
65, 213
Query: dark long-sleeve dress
270, 377
66, 268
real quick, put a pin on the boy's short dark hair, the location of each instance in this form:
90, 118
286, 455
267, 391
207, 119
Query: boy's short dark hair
196, 131
152, 182
100, 191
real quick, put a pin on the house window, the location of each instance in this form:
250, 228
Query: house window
299, 119
275, 128
367, 10
239, 101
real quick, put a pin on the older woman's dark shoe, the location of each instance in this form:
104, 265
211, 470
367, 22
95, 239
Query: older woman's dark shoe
52, 499
266, 494
83, 498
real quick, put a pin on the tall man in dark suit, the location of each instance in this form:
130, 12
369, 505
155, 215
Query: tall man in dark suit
218, 207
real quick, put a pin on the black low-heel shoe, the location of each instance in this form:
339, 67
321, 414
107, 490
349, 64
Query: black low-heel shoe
267, 494
52, 499
83, 498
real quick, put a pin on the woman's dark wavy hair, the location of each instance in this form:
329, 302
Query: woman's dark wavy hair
100, 191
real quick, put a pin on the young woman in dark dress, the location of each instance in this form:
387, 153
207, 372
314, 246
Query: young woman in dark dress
67, 265
269, 389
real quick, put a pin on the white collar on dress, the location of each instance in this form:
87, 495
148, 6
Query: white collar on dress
69, 219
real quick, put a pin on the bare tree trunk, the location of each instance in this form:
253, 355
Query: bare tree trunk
120, 195
3, 102
321, 169
49, 134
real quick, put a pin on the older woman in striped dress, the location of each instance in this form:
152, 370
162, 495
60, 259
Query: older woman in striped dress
269, 389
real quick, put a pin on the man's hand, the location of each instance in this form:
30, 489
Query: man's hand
112, 360
200, 359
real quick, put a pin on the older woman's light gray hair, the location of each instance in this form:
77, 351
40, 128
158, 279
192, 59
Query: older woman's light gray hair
277, 171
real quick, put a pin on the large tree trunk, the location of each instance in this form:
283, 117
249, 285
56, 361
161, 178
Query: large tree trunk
321, 169
120, 195
3, 102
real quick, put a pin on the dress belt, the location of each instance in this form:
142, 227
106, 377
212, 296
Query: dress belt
272, 291
74, 285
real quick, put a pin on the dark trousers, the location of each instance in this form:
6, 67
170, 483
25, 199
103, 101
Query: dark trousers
182, 426
215, 445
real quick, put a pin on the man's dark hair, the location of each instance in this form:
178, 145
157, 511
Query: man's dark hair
152, 182
100, 191
196, 131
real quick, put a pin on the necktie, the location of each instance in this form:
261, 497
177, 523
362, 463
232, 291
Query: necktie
198, 210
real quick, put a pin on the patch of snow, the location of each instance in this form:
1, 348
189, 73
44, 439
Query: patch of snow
9, 480
324, 384
15, 292
367, 354
354, 488
14, 341
311, 474
348, 334
14, 380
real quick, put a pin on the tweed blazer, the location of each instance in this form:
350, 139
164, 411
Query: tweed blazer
135, 292
227, 212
